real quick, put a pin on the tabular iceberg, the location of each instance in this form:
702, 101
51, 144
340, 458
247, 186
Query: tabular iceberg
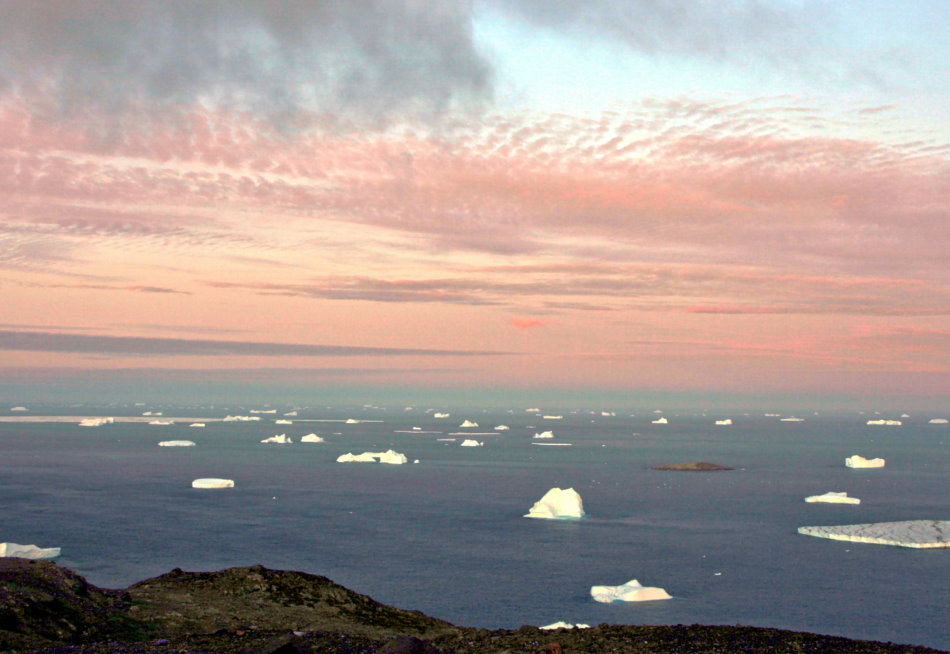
311, 438
937, 421
389, 456
28, 551
278, 439
176, 444
197, 424
212, 482
283, 422
558, 504
833, 498
95, 422
631, 591
727, 421
921, 534
856, 461
889, 423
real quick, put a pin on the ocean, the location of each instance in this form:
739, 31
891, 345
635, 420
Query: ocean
446, 535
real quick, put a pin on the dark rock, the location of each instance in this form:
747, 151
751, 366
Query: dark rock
408, 645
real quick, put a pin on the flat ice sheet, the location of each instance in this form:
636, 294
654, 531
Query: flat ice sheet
908, 533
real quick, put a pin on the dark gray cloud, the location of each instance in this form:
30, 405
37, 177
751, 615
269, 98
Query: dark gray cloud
374, 59
144, 346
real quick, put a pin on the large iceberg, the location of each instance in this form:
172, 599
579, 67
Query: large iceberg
560, 624
471, 442
311, 438
468, 423
631, 591
28, 551
833, 498
558, 504
212, 482
389, 456
279, 439
907, 533
856, 461
544, 434
176, 444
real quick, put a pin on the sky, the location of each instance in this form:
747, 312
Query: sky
496, 198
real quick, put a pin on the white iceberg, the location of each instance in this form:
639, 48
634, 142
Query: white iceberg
923, 534
857, 461
28, 551
311, 438
502, 428
889, 423
441, 415
212, 482
631, 591
176, 444
791, 419
278, 439
197, 424
468, 423
660, 421
552, 417
352, 421
18, 408
833, 498
533, 410
558, 504
389, 456
239, 418
560, 624
161, 423
471, 442
727, 421
291, 414
95, 422
283, 422
937, 421
263, 410
544, 434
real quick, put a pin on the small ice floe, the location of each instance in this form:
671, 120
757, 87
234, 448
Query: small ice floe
291, 414
312, 438
502, 428
468, 423
95, 422
263, 410
660, 421
833, 498
554, 444
448, 440
176, 444
791, 419
607, 414
352, 421
533, 410
18, 408
560, 624
552, 417
632, 591
151, 413
281, 421
197, 424
471, 442
558, 504
278, 439
28, 551
441, 415
212, 482
161, 423
240, 418
727, 421
922, 534
389, 456
857, 461
887, 423
937, 421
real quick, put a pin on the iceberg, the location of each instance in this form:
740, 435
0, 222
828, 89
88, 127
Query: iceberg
889, 423
283, 422
389, 456
727, 421
161, 423
791, 419
176, 444
263, 410
312, 438
28, 551
18, 408
558, 504
95, 422
352, 421
441, 415
856, 461
937, 421
552, 417
921, 534
278, 439
291, 414
197, 424
471, 442
502, 428
660, 421
560, 624
239, 418
212, 482
544, 434
631, 591
468, 423
833, 498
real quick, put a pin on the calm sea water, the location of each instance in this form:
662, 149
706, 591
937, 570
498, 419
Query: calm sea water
446, 536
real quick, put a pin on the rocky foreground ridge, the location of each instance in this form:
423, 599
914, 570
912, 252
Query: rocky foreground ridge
48, 608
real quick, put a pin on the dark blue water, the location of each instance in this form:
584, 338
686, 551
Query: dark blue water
446, 536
